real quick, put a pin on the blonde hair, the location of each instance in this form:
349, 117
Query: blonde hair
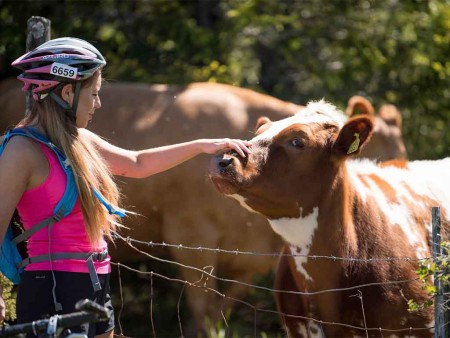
90, 170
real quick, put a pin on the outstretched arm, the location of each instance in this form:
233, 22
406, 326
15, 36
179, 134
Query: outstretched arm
151, 161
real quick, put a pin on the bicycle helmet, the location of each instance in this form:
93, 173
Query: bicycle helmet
58, 62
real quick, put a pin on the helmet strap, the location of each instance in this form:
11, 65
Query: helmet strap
71, 110
60, 101
76, 96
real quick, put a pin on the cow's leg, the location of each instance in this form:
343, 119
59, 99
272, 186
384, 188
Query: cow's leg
290, 305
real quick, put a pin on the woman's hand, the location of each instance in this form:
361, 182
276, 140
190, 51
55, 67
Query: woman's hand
212, 146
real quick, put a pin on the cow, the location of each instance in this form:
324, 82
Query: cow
337, 216
180, 206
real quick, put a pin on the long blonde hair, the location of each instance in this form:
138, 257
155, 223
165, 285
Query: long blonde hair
90, 170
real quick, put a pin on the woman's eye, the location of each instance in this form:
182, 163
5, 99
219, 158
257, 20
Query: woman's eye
297, 143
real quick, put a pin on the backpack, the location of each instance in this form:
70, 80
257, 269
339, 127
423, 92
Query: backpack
12, 263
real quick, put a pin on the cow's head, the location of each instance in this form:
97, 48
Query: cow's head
293, 160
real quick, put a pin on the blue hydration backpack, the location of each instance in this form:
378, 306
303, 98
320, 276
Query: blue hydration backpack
11, 262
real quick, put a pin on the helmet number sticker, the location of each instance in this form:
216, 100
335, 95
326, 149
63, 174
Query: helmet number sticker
63, 70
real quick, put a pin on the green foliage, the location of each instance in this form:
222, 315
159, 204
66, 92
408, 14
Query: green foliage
389, 51
9, 296
439, 269
217, 330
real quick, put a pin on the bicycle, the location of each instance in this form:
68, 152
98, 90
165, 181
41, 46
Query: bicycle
57, 325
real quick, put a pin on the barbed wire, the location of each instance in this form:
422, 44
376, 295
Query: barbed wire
205, 274
250, 253
262, 287
257, 309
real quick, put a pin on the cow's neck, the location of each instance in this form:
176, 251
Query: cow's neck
319, 228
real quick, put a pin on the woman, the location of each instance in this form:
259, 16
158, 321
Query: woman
64, 76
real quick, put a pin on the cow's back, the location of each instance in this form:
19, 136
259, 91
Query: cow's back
180, 206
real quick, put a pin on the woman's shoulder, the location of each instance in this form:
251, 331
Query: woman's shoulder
21, 148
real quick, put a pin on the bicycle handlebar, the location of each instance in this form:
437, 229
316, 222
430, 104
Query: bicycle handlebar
90, 312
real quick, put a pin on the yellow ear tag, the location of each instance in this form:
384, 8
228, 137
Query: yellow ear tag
355, 145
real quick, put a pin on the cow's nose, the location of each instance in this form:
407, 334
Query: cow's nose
225, 162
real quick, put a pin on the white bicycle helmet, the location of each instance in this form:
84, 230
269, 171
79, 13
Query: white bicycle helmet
56, 62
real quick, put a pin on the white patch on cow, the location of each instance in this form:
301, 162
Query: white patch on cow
302, 330
242, 202
314, 112
437, 183
313, 326
306, 330
417, 178
299, 233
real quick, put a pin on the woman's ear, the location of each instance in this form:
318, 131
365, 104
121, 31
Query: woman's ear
67, 93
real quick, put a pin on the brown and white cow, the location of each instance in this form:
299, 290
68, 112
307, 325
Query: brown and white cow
180, 206
300, 175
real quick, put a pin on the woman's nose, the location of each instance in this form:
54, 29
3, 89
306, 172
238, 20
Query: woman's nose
98, 103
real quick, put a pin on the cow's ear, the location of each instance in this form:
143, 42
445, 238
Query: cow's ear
261, 121
358, 105
391, 115
354, 135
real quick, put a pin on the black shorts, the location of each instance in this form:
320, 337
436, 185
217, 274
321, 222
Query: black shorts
35, 298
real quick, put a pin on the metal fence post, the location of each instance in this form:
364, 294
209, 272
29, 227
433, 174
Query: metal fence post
38, 31
440, 312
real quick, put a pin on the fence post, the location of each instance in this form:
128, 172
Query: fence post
38, 31
440, 322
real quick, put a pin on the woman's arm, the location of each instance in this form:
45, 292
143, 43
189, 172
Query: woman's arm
17, 164
148, 162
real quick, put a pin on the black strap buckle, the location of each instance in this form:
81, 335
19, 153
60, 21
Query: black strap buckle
100, 256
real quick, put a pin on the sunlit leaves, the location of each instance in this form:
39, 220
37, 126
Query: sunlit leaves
9, 296
390, 51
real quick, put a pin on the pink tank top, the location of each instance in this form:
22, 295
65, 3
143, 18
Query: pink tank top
67, 235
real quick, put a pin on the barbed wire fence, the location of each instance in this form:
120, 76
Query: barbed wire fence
206, 274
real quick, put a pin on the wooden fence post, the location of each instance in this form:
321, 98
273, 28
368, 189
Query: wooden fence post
38, 31
440, 312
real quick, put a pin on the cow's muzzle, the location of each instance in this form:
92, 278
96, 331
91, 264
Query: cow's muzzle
222, 172
225, 162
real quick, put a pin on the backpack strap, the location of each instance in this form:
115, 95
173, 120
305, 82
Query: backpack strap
67, 202
62, 209
35, 228
96, 256
89, 257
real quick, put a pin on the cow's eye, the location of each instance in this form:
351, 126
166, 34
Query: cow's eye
297, 143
